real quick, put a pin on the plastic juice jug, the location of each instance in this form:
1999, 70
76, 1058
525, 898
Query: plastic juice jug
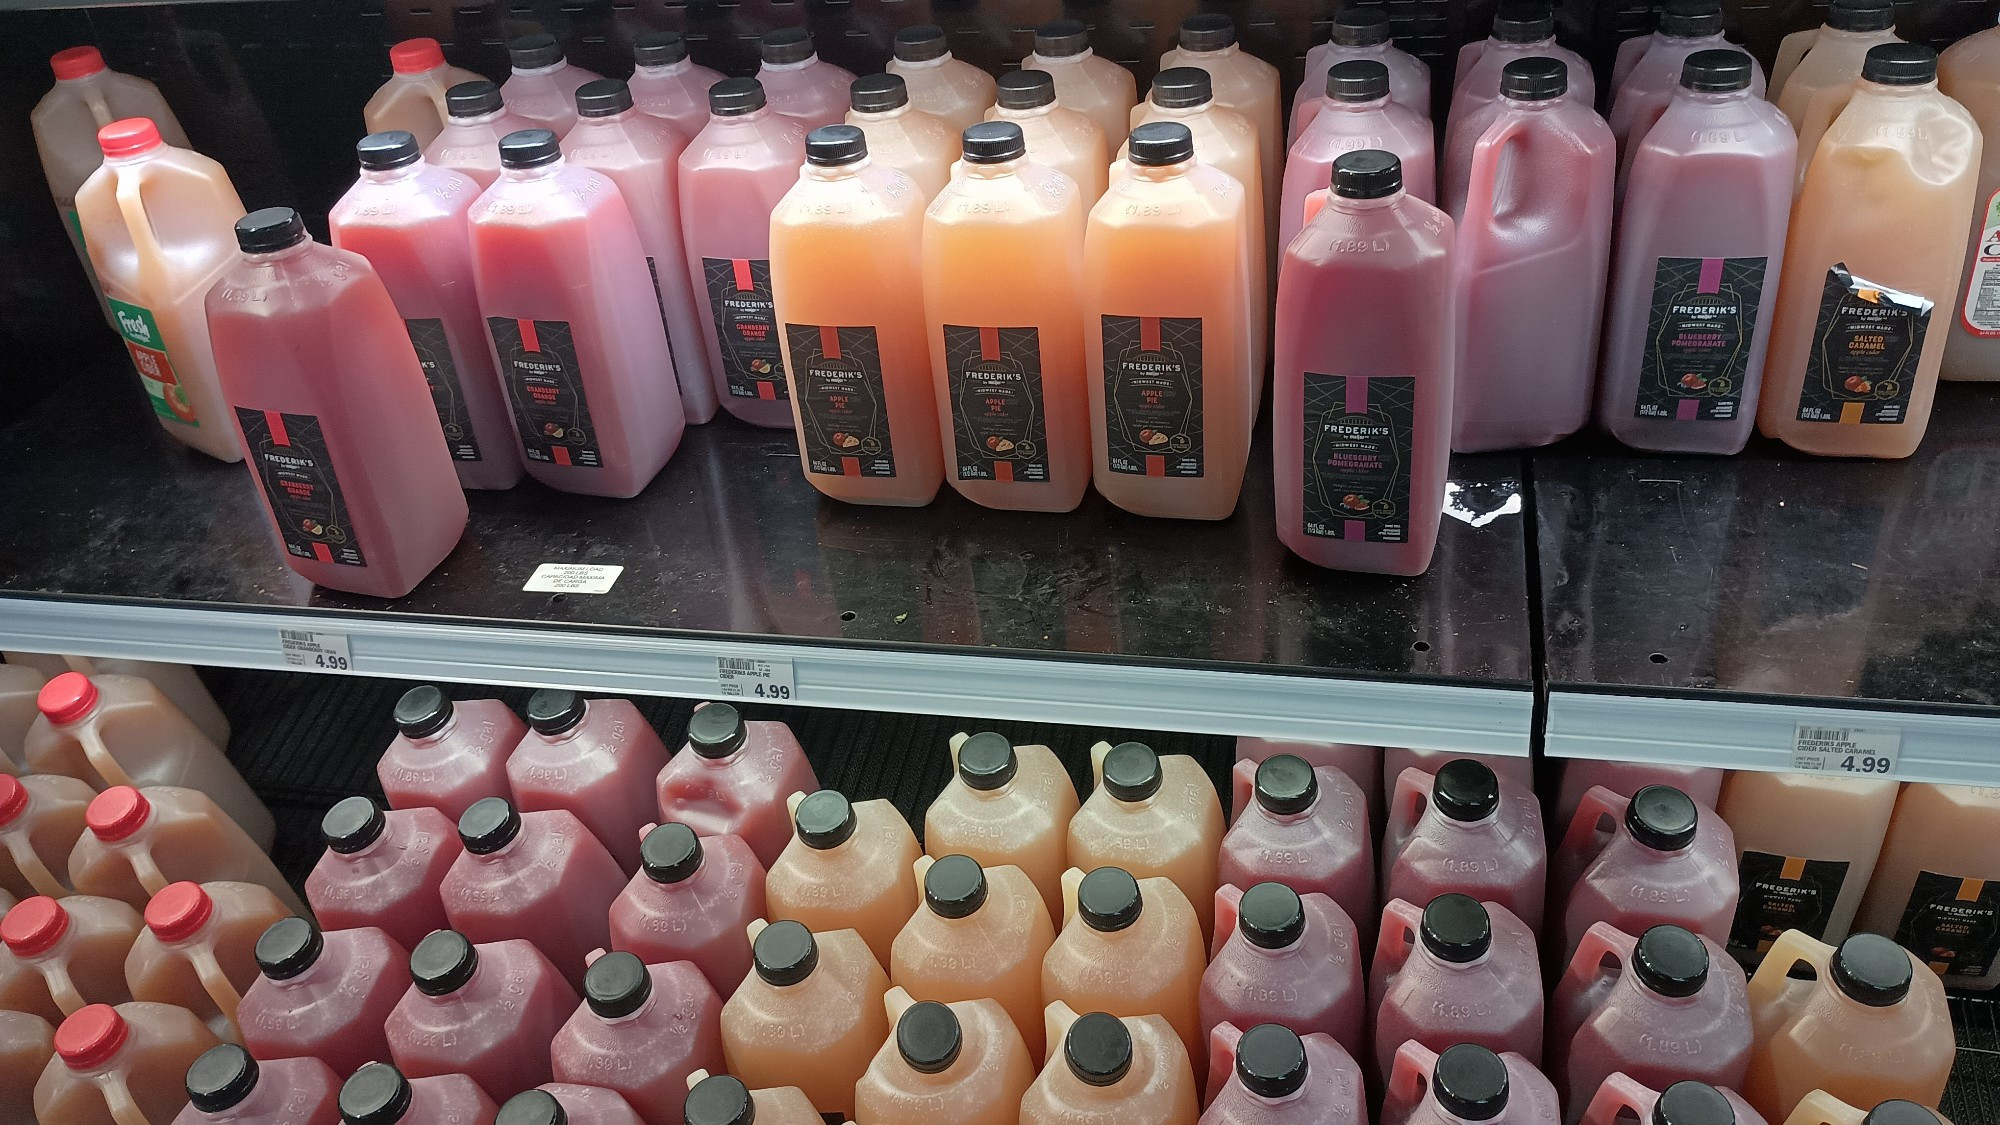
666, 84
1359, 33
732, 175
809, 1014
1463, 829
198, 949
1132, 948
981, 934
1668, 861
1683, 1103
847, 292
156, 219
640, 1032
1362, 416
1822, 1108
1969, 74
412, 100
325, 995
962, 1062
1673, 1008
1057, 136
1098, 88
142, 839
1467, 1082
1872, 1027
1844, 19
719, 1099
901, 136
74, 949
1006, 805
564, 286
1580, 775
1303, 826
732, 778
27, 1043
485, 1011
180, 683
408, 219
1243, 84
447, 754
19, 684
561, 1103
121, 1066
476, 119
1006, 337
1806, 846
1518, 772
1520, 31
1151, 815
1112, 1071
1876, 243
542, 88
1288, 959
1360, 764
378, 1094
1815, 92
1687, 27
1929, 887
1270, 1075
952, 90
850, 866
598, 759
383, 869
800, 84
41, 816
1358, 113
1456, 971
538, 876
226, 1086
691, 901
1534, 240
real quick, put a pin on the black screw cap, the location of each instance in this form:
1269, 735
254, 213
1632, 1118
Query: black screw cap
955, 887
1872, 970
1357, 80
1662, 818
288, 947
1465, 790
1470, 1082
471, 99
785, 953
605, 97
831, 146
921, 43
550, 710
928, 1037
1861, 15
532, 52
670, 853
1026, 89
377, 1094
380, 152
1691, 19
1131, 770
270, 230
1524, 23
532, 1107
1098, 1049
616, 985
1899, 64
221, 1078
716, 729
734, 97
1692, 1103
533, 148
1271, 916
991, 142
1367, 173
1271, 1061
1059, 39
659, 48
1717, 71
720, 1099
1535, 79
1456, 928
1355, 26
1900, 1112
1108, 900
488, 824
352, 824
443, 963
878, 93
824, 820
1207, 31
785, 45
1182, 87
1671, 961
987, 761
1158, 144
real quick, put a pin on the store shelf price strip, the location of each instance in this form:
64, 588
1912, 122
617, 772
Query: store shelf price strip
1850, 751
315, 651
754, 677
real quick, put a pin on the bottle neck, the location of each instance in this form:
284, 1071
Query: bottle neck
400, 175
833, 173
622, 115
883, 114
1344, 105
1159, 174
555, 67
753, 117
273, 257
1865, 88
124, 161
925, 64
1064, 60
1712, 97
1181, 112
780, 68
1532, 105
1008, 114
666, 70
477, 119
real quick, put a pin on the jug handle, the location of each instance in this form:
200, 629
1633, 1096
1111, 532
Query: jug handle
896, 1001
31, 866
1597, 803
756, 926
1222, 1054
1413, 792
214, 981
131, 207
1242, 784
100, 757
62, 988
1822, 1108
696, 1078
1409, 1073
1792, 947
1227, 898
1619, 1092
1400, 920
1072, 880
1315, 202
1056, 1019
1601, 940
957, 740
1098, 752
1479, 189
922, 867
118, 1099
1791, 51
144, 869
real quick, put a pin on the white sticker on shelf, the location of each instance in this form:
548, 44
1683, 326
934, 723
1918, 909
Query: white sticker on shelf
572, 578
753, 677
315, 651
1849, 751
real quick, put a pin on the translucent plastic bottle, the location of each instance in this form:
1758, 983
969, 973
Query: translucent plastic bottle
667, 84
142, 839
1111, 1071
1151, 815
383, 869
566, 1103
1467, 1082
1581, 775
180, 683
1515, 771
1533, 248
76, 947
1098, 88
124, 1065
1006, 805
1243, 84
1357, 113
847, 292
1683, 1103
378, 1094
1360, 33
1057, 136
1129, 948
19, 684
640, 1032
542, 88
1806, 847
718, 1099
1877, 242
1929, 887
732, 176
981, 934
952, 90
476, 119
962, 1062
1811, 93
901, 136
227, 1086
800, 84
1288, 959
732, 778
1822, 1108
850, 866
412, 100
810, 1015
325, 995
575, 327
1303, 826
1969, 74
596, 758
41, 816
691, 901
538, 876
1520, 31
1456, 971
1687, 27
198, 949
1270, 1075
485, 1011
27, 1043
1463, 829
447, 754
1360, 764
1668, 860
1872, 1027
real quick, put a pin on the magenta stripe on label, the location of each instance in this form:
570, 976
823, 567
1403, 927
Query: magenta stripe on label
1711, 275
1357, 394
1684, 410
1353, 529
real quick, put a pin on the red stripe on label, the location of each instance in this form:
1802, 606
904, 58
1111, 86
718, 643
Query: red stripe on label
850, 466
1003, 471
742, 268
1156, 465
529, 340
1357, 394
829, 341
1711, 276
1149, 333
767, 391
989, 344
322, 552
561, 454
276, 422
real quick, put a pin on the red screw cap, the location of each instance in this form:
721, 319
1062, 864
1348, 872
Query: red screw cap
129, 137
117, 813
415, 56
70, 696
90, 1037
34, 926
179, 911
13, 799
77, 62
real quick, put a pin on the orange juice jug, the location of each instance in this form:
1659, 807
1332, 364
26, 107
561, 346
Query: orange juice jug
847, 293
1098, 88
76, 948
1005, 805
1057, 136
19, 684
1806, 846
199, 948
27, 1043
475, 120
412, 100
1930, 888
1877, 239
1811, 93
1243, 83
982, 934
667, 84
849, 866
140, 840
719, 1099
1167, 300
810, 1014
963, 1062
41, 816
1112, 1071
901, 136
542, 87
121, 1066
1129, 948
1969, 74
1151, 815
158, 220
1822, 1108
952, 90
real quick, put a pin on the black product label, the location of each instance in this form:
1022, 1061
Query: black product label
753, 359
843, 416
998, 428
1359, 433
1952, 924
660, 297
1152, 395
288, 454
538, 364
1698, 338
441, 372
1783, 893
1864, 352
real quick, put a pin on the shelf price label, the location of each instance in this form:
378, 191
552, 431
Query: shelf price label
315, 651
1848, 751
755, 678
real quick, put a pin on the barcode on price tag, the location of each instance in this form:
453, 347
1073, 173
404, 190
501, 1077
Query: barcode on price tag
753, 677
315, 651
1846, 750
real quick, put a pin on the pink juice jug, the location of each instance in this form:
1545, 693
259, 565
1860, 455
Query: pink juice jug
408, 219
1096, 87
485, 1011
1356, 113
567, 297
640, 1032
41, 816
412, 100
447, 754
800, 84
1683, 1103
324, 995
1524, 30
954, 91
538, 876
120, 1066
1687, 27
1151, 815
475, 120
68, 953
732, 779
1271, 1075
1112, 1071
1580, 775
383, 869
666, 84
198, 950
1457, 971
142, 839
1467, 1083
981, 934
596, 758
691, 901
1463, 829
27, 1043
542, 88
811, 1014
718, 1099
1288, 959
1534, 241
378, 1094
732, 175
851, 866
964, 1062
1669, 861
1006, 805
1129, 948
1518, 772
1360, 33
1303, 826
1361, 764
226, 1086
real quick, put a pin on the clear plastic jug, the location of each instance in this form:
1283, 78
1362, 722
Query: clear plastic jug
810, 1014
1457, 971
952, 90
1244, 84
1360, 33
1361, 764
484, 1011
667, 84
142, 839
69, 953
1271, 1075
1151, 815
198, 950
447, 754
378, 1094
1667, 861
981, 934
1811, 94
850, 866
732, 778
121, 1066
1467, 1082
227, 1086
640, 1032
1112, 1071
383, 869
901, 136
1129, 948
412, 100
963, 1062
1287, 959
1056, 136
1520, 31
542, 88
596, 759
1006, 805
692, 900
476, 119
1463, 829
1098, 88
801, 85
41, 817
324, 995
538, 876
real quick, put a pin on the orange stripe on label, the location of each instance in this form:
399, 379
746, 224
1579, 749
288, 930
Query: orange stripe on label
989, 344
276, 422
561, 454
1850, 413
1969, 890
850, 466
742, 268
1793, 870
829, 341
1003, 471
1149, 333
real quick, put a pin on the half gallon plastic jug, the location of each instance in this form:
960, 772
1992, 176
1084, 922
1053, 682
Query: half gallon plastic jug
142, 839
226, 1086
1151, 815
732, 778
810, 1014
954, 91
1057, 136
76, 946
41, 817
1806, 846
901, 136
1457, 971
27, 1043
800, 84
564, 1103
121, 1066
1683, 1103
1132, 948
1466, 1083
1242, 83
1812, 94
1006, 805
981, 934
1822, 1108
850, 866
542, 88
323, 995
1288, 959
1668, 861
691, 901
383, 869
667, 84
1463, 829
1929, 887
1524, 30
1360, 33
538, 876
476, 120
412, 100
1580, 775
1969, 74
198, 949
1112, 1071
719, 1099
1687, 27
1357, 113
486, 1011
596, 759
640, 1032
1303, 826
378, 1094
1096, 87
447, 754
962, 1062
1271, 1075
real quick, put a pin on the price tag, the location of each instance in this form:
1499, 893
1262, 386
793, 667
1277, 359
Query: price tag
751, 677
1852, 751
572, 578
314, 651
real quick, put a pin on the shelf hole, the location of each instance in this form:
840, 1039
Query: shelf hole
847, 615
1421, 646
558, 599
1658, 658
